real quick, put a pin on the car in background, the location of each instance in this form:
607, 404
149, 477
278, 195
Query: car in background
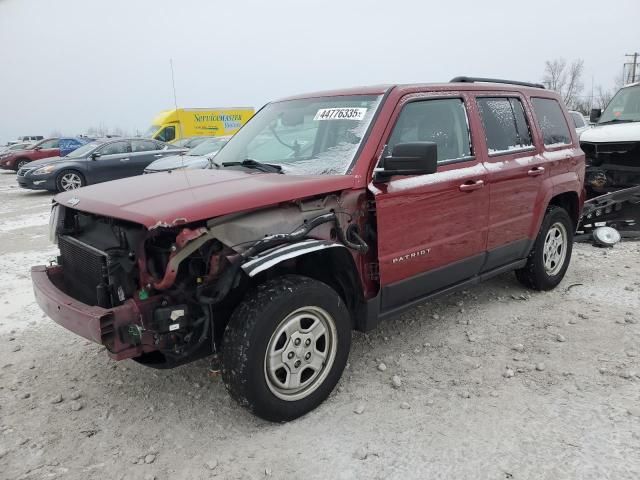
15, 146
51, 147
190, 142
579, 122
30, 138
198, 157
612, 146
99, 161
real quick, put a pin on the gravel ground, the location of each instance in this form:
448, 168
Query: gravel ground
495, 382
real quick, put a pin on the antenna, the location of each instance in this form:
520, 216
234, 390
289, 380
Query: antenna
175, 97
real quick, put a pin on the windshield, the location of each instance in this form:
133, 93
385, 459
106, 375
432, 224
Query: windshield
83, 150
311, 136
624, 106
151, 130
207, 147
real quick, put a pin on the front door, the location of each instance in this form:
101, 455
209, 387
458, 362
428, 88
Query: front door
432, 229
113, 162
46, 149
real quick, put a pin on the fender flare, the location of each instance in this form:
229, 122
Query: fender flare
269, 258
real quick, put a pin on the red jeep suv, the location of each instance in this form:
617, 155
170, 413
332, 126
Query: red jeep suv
325, 213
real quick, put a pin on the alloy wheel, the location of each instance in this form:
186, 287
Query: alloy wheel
300, 353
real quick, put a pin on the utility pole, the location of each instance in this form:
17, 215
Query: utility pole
633, 65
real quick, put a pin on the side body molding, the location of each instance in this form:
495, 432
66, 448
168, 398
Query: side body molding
271, 257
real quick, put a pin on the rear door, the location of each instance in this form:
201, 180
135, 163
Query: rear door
431, 228
143, 152
516, 171
112, 162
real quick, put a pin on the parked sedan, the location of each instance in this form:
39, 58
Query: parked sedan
95, 162
15, 146
51, 147
197, 157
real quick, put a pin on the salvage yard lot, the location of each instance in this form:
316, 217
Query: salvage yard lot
494, 382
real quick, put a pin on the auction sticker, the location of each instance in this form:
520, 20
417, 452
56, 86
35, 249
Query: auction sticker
342, 113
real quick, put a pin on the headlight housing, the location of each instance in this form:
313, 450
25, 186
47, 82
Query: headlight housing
44, 170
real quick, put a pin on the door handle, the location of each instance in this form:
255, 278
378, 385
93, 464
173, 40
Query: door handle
472, 185
124, 159
158, 155
535, 171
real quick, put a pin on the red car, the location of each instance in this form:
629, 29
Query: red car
50, 147
325, 213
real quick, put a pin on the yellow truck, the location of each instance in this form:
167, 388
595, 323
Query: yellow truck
172, 125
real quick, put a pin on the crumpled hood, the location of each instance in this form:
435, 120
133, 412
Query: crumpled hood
184, 196
621, 132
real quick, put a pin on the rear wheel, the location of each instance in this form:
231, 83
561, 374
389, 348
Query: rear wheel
551, 253
69, 180
285, 347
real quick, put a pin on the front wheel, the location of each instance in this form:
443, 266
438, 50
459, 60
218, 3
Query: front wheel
69, 180
285, 347
551, 253
20, 164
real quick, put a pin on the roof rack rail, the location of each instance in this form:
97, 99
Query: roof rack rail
494, 80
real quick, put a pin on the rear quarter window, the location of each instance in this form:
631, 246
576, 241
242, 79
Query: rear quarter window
553, 124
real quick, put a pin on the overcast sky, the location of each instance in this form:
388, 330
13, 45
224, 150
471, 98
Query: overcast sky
67, 65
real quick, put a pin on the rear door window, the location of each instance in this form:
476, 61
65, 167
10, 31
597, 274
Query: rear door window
115, 148
143, 146
505, 124
555, 130
442, 121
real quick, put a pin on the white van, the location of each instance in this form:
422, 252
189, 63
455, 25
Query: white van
612, 146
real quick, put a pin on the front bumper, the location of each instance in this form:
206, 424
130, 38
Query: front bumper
100, 325
8, 164
37, 183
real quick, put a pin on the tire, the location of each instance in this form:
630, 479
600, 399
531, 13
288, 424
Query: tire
549, 259
69, 180
273, 318
21, 163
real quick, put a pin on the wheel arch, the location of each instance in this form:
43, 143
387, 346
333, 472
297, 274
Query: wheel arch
17, 161
329, 262
570, 202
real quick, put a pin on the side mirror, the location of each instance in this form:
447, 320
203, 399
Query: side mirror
95, 155
37, 148
594, 116
412, 158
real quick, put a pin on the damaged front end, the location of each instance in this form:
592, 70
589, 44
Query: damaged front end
162, 295
611, 166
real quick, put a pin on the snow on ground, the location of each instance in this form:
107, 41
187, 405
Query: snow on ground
25, 221
495, 382
18, 306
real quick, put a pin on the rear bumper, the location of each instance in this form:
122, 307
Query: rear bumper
100, 325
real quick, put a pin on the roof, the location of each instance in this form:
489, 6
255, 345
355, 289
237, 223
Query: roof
410, 87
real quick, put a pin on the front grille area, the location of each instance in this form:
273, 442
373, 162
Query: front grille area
24, 170
612, 153
84, 268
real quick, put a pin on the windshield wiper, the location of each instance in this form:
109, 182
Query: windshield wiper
256, 165
616, 120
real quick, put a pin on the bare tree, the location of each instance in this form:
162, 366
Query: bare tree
566, 79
